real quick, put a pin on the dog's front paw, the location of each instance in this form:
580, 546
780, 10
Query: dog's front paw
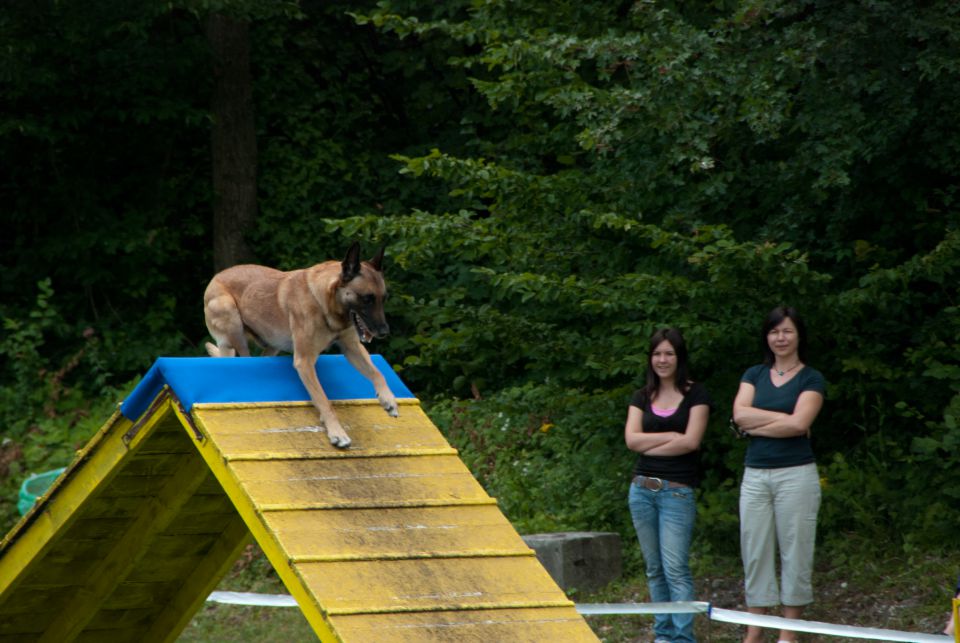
339, 438
389, 404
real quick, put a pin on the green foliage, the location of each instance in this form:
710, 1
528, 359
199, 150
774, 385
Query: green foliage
49, 406
101, 115
519, 443
555, 460
552, 184
694, 166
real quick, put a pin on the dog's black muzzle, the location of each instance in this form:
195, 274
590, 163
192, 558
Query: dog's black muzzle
369, 330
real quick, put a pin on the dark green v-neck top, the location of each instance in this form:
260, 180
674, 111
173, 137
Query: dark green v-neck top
774, 453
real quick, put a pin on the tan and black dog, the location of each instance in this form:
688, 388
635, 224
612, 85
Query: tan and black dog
303, 312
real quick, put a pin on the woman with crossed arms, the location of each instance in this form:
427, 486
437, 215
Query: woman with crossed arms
775, 407
665, 424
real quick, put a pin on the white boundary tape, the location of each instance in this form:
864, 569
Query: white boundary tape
816, 627
609, 609
256, 600
692, 607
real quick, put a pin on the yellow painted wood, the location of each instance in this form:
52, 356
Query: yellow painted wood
21, 555
263, 432
359, 482
145, 523
539, 625
178, 613
392, 540
955, 605
342, 534
431, 584
155, 514
222, 469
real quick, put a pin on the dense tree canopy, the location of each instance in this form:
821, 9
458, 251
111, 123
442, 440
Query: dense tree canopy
553, 181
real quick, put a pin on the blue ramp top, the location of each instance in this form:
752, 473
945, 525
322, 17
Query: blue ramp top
253, 379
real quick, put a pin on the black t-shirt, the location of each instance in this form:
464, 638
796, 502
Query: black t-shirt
685, 468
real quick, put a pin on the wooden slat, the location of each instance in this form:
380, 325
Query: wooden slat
541, 625
189, 525
127, 635
109, 620
391, 541
32, 601
22, 626
167, 443
155, 515
208, 500
357, 482
198, 584
20, 556
294, 432
395, 533
76, 550
251, 515
130, 595
157, 464
431, 584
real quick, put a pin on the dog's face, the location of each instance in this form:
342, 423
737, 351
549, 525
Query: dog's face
362, 292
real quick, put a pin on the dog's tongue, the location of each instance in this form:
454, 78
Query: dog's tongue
365, 335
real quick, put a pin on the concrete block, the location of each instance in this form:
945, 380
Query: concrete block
584, 560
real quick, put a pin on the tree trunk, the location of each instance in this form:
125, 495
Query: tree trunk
234, 143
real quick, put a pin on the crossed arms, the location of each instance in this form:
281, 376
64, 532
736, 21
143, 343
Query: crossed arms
775, 424
667, 442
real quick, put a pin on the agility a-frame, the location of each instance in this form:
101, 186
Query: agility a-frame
390, 540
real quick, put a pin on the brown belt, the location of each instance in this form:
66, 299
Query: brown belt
656, 484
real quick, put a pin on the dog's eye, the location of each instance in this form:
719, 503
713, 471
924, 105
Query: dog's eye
369, 300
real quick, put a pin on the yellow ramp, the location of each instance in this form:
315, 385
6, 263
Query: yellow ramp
391, 540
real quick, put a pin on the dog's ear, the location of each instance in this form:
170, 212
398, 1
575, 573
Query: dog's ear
377, 262
350, 267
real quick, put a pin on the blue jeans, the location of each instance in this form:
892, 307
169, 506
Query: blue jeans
664, 523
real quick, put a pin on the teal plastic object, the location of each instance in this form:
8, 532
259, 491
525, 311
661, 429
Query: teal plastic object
35, 486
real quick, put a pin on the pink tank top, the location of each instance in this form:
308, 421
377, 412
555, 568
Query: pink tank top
664, 413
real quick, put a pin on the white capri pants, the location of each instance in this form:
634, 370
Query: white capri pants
778, 509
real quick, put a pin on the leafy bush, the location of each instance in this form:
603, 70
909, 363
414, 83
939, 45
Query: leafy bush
552, 185
553, 457
50, 404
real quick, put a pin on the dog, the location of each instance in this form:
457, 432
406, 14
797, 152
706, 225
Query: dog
304, 312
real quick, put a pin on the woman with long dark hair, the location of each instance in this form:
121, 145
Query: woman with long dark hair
775, 407
666, 421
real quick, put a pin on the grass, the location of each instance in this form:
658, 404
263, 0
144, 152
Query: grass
218, 623
856, 583
238, 623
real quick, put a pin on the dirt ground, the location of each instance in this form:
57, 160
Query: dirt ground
886, 605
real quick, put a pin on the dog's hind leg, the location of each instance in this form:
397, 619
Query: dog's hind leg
224, 323
216, 351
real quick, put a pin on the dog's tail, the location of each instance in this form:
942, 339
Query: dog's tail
215, 351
